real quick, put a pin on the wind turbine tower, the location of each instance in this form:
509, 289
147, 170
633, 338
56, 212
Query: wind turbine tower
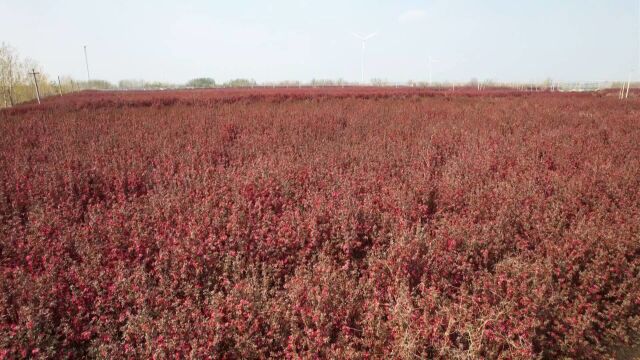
431, 61
364, 39
86, 61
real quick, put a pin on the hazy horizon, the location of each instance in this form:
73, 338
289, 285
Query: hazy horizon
497, 40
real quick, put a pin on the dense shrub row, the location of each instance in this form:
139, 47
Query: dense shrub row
212, 97
326, 224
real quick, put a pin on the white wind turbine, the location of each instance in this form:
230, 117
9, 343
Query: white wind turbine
364, 39
431, 61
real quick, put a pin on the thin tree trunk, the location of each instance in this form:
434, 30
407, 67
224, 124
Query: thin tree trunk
4, 94
11, 94
11, 86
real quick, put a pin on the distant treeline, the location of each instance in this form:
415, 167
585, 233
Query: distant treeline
17, 82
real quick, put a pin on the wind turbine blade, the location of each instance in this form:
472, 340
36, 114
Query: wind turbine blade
370, 36
358, 36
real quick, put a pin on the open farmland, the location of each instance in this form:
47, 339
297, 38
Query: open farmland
320, 223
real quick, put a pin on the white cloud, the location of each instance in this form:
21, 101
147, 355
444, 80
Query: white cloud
412, 15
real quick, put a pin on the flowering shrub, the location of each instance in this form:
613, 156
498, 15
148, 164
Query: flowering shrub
320, 223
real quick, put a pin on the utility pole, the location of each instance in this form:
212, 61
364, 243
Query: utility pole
59, 86
86, 60
35, 81
621, 91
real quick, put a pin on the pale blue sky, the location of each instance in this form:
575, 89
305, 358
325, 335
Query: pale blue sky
504, 40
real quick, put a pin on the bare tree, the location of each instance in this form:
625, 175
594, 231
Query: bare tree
8, 62
16, 84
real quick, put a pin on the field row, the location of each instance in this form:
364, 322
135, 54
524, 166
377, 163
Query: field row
320, 224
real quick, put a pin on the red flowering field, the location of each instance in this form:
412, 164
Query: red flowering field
320, 223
